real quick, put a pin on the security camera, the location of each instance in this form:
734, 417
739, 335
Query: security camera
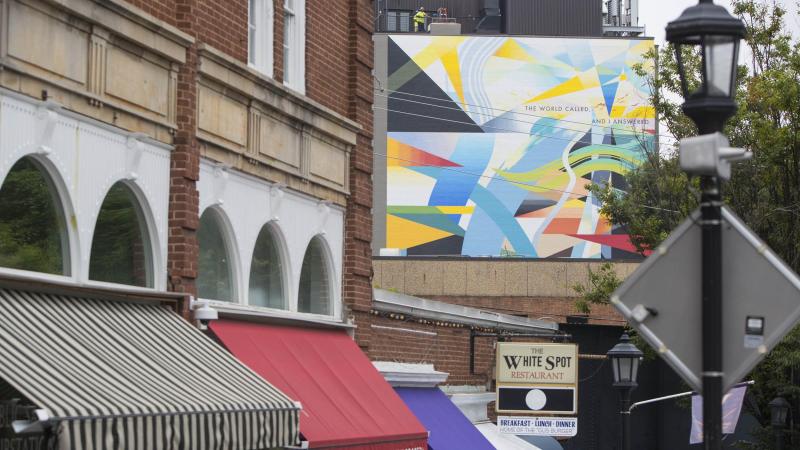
203, 313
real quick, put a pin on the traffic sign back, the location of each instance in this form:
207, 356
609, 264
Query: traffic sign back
662, 300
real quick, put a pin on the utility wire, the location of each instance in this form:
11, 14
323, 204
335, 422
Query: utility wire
521, 183
488, 126
596, 371
499, 178
383, 89
530, 123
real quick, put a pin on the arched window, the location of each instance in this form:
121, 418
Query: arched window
314, 295
33, 232
266, 272
215, 271
121, 245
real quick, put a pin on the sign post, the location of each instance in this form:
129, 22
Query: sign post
662, 301
709, 103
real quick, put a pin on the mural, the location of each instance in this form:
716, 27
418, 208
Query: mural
491, 141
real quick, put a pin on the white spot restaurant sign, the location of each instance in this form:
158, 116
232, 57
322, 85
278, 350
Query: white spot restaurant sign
537, 378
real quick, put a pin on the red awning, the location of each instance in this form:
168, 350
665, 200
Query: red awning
346, 402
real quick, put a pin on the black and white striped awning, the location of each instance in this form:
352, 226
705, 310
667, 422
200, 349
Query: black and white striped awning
134, 376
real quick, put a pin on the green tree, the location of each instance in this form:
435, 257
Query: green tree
602, 284
765, 191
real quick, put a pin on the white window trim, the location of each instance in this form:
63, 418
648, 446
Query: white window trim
61, 165
279, 210
334, 301
231, 250
152, 246
260, 313
279, 239
264, 16
297, 64
73, 281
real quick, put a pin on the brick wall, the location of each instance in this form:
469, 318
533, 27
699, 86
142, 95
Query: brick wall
327, 52
339, 65
164, 10
358, 219
446, 347
223, 25
400, 338
182, 250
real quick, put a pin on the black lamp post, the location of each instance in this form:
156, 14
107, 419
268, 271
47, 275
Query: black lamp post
717, 34
779, 409
625, 358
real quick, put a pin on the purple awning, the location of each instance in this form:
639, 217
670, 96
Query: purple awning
449, 428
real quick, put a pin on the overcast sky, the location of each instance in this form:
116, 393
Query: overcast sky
655, 14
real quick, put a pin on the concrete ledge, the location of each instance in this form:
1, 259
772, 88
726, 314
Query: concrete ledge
474, 405
133, 24
247, 313
445, 29
410, 375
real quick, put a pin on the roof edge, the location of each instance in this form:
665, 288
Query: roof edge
388, 301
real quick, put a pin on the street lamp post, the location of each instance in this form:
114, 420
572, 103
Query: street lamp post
779, 409
709, 103
625, 358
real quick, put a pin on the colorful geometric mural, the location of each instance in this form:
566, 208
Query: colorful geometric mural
491, 141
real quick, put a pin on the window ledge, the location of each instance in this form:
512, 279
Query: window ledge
249, 313
65, 285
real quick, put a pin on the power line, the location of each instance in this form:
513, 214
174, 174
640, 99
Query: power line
382, 89
521, 183
526, 122
611, 126
498, 178
488, 126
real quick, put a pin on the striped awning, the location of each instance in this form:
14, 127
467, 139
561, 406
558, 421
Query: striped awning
134, 376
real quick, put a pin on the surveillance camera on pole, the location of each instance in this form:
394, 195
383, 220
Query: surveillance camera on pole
710, 155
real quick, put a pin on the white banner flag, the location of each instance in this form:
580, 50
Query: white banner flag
731, 408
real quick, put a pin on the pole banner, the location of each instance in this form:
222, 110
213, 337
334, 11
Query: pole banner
731, 408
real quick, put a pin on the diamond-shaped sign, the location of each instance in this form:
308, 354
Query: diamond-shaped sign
662, 300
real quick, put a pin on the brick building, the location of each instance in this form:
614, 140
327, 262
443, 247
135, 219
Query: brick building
218, 151
238, 101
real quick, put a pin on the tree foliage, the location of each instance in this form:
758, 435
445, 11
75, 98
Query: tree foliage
31, 228
765, 191
601, 284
